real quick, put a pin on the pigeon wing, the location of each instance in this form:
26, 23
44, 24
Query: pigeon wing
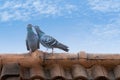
48, 41
51, 42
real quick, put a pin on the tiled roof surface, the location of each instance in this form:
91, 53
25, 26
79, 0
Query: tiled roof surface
63, 66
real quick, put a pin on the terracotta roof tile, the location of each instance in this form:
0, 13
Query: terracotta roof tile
57, 71
117, 72
79, 72
10, 70
13, 78
68, 74
99, 72
25, 73
37, 72
63, 66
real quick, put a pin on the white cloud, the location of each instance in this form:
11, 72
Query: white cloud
45, 8
70, 8
24, 10
109, 30
105, 5
5, 16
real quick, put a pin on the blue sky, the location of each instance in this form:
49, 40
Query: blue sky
83, 25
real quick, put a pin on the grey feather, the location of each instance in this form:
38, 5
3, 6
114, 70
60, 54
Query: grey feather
32, 40
48, 41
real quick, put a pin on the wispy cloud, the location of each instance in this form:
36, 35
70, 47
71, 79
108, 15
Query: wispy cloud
109, 30
105, 5
24, 10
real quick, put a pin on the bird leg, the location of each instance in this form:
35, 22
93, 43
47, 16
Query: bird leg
30, 52
52, 51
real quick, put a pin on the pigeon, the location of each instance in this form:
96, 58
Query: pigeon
48, 41
32, 40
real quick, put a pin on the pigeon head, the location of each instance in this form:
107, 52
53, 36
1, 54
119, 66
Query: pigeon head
29, 27
38, 30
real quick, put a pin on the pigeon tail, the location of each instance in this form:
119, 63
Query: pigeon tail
63, 47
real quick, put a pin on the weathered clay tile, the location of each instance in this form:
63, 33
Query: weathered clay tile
117, 72
89, 73
37, 72
10, 70
13, 78
68, 74
99, 73
62, 56
57, 72
104, 56
111, 74
47, 73
82, 55
0, 66
63, 66
79, 72
25, 73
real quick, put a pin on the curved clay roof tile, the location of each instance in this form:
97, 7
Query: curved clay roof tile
117, 72
99, 73
79, 72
